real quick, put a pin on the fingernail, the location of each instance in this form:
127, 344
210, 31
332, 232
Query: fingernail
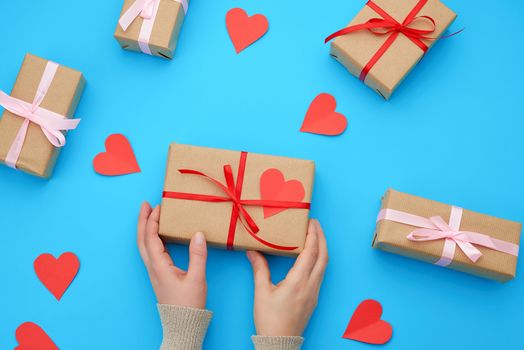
200, 239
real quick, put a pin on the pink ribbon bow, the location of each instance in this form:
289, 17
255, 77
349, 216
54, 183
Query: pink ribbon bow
51, 123
435, 228
144, 9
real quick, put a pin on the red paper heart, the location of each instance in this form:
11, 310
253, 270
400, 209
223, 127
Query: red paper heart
322, 119
244, 30
118, 159
274, 187
57, 274
366, 326
31, 337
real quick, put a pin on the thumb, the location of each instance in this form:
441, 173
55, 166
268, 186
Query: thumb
261, 273
197, 257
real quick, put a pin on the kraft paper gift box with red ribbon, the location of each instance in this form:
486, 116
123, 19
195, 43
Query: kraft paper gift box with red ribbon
387, 38
239, 200
37, 114
151, 26
448, 236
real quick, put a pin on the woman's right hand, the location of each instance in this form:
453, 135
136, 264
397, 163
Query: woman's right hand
285, 309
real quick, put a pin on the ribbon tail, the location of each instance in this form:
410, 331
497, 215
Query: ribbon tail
267, 243
131, 14
53, 125
483, 240
12, 104
447, 253
247, 222
355, 28
469, 249
55, 137
184, 5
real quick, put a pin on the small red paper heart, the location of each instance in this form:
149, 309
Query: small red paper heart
243, 29
119, 158
274, 187
322, 119
57, 274
366, 326
31, 337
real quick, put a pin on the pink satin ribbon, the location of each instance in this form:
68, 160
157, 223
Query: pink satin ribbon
147, 9
435, 228
51, 123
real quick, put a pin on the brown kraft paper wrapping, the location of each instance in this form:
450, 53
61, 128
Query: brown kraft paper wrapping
355, 50
166, 29
180, 219
38, 155
391, 236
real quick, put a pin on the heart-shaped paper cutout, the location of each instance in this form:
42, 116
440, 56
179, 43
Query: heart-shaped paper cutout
243, 29
119, 158
273, 186
366, 326
57, 274
31, 337
321, 117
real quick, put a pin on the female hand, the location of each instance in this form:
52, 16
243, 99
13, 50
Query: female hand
172, 286
285, 309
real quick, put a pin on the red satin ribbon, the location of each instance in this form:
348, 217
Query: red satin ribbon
233, 194
387, 25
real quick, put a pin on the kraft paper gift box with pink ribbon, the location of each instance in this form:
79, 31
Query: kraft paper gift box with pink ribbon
37, 114
239, 200
387, 38
448, 236
151, 26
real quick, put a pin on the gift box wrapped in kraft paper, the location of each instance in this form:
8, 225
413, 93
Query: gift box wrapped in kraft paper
151, 26
239, 200
448, 236
387, 38
37, 114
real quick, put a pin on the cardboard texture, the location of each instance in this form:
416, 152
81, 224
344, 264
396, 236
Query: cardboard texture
391, 236
166, 29
354, 50
180, 219
38, 156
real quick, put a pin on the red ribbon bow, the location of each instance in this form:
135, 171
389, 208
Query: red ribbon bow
387, 25
233, 194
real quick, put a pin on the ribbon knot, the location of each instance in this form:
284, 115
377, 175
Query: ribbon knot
230, 189
147, 9
385, 26
451, 234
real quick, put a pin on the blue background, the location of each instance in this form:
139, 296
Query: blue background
452, 132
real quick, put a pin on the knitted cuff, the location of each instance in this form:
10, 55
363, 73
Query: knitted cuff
277, 343
184, 327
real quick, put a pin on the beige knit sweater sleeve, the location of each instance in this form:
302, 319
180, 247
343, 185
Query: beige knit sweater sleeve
185, 328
